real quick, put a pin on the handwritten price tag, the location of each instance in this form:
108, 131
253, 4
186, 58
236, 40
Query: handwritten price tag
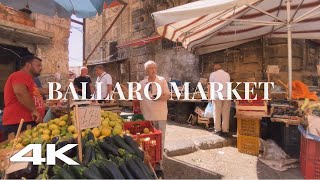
89, 117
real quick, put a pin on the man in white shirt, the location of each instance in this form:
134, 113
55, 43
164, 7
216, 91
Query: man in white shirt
105, 79
222, 107
155, 110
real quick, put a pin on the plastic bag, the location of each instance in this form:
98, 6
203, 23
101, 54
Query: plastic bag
274, 157
208, 113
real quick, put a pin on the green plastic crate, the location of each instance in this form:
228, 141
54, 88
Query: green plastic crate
133, 117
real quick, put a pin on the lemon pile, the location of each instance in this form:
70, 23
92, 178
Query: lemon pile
111, 124
45, 132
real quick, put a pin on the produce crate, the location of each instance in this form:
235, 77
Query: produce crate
287, 137
248, 145
310, 158
255, 109
153, 145
248, 127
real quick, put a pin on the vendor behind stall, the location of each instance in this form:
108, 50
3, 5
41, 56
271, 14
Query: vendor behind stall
22, 98
106, 80
83, 78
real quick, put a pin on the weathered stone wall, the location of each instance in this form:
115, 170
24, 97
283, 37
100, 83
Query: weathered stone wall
248, 62
55, 55
33, 27
136, 23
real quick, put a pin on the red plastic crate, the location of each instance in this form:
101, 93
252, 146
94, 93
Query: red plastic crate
310, 158
153, 146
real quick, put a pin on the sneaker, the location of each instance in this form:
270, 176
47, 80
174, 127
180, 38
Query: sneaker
219, 133
159, 174
226, 134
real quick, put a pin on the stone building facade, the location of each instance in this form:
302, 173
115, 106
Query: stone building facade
247, 62
23, 32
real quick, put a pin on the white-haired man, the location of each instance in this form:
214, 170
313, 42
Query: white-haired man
155, 110
83, 78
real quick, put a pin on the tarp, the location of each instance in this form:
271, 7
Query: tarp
63, 8
210, 25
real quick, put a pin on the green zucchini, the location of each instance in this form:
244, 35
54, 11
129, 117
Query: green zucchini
111, 168
55, 177
134, 146
99, 152
119, 141
92, 172
143, 167
90, 136
64, 174
125, 171
108, 148
135, 170
77, 171
87, 155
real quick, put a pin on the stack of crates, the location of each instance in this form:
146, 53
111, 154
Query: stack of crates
249, 114
248, 132
309, 155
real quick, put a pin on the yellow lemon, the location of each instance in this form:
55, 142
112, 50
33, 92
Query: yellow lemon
71, 129
34, 134
62, 123
40, 130
57, 122
25, 142
146, 130
83, 134
105, 131
116, 131
95, 132
45, 137
75, 136
50, 122
104, 123
53, 127
28, 132
19, 145
55, 132
112, 124
46, 131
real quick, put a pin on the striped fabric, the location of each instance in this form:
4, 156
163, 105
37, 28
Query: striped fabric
211, 25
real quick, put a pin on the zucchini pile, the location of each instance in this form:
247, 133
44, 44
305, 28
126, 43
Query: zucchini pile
109, 158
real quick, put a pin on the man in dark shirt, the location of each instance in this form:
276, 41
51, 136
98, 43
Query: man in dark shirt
83, 78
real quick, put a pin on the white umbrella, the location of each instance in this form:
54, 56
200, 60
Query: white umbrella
210, 25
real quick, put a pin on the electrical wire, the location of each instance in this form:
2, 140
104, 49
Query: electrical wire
11, 51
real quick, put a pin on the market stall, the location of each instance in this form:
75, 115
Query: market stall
108, 147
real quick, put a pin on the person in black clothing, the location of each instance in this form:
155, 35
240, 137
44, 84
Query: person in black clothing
83, 78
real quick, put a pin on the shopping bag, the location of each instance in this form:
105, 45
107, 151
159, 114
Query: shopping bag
208, 113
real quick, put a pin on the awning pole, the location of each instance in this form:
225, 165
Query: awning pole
289, 48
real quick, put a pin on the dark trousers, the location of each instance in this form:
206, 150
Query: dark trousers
7, 129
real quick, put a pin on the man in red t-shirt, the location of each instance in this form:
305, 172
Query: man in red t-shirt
22, 98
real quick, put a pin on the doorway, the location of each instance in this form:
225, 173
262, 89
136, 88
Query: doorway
9, 63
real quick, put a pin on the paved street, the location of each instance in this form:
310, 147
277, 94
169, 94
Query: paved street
196, 153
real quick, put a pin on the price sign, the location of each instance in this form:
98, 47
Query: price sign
89, 117
273, 69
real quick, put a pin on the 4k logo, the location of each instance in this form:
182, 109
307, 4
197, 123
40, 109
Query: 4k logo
52, 154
